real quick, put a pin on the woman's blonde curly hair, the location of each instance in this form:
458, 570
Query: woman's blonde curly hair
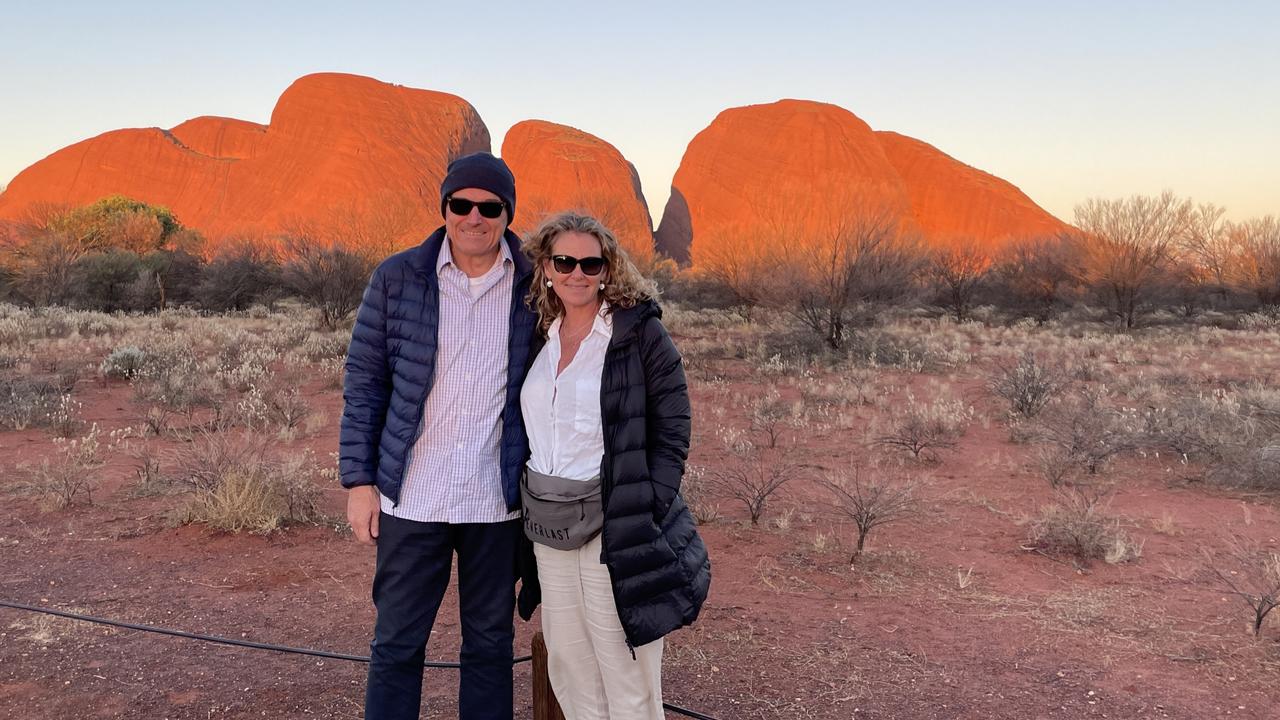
625, 287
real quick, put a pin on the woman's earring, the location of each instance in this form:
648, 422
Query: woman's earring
548, 283
601, 286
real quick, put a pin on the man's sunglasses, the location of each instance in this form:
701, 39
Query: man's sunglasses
488, 208
566, 263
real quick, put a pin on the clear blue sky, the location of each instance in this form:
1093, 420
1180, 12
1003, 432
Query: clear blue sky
1066, 100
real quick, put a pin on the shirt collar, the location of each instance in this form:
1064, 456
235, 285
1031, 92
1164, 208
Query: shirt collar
603, 323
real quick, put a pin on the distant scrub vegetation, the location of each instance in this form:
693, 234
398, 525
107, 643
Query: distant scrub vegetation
119, 254
1133, 259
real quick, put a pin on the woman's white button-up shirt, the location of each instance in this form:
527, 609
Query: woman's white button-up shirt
562, 414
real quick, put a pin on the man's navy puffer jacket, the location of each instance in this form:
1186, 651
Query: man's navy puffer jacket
391, 365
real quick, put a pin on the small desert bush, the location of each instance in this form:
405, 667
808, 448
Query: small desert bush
943, 347
65, 420
1233, 434
1198, 427
855, 386
51, 322
15, 329
123, 362
251, 410
69, 477
173, 378
272, 402
1076, 525
91, 324
752, 472
788, 348
1260, 321
27, 403
1248, 467
925, 428
1087, 429
1263, 404
1055, 464
770, 416
333, 371
876, 348
241, 482
1250, 572
248, 367
288, 408
13, 358
323, 346
697, 495
870, 497
1028, 385
295, 330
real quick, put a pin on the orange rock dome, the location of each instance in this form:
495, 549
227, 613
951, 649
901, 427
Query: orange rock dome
560, 168
333, 140
949, 200
795, 168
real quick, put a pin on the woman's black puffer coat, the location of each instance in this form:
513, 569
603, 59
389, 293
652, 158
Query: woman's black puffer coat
657, 563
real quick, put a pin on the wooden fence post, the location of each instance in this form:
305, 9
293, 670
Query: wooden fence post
545, 706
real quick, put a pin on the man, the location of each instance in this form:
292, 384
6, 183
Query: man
432, 442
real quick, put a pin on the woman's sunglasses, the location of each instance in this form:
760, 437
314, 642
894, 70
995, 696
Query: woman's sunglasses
566, 263
488, 208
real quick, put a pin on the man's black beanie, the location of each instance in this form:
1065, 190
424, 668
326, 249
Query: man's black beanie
484, 171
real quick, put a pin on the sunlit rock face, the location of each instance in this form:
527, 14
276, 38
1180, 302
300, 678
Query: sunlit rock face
951, 201
794, 169
560, 168
335, 143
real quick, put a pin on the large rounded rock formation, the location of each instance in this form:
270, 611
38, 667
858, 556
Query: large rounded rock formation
561, 168
953, 202
766, 173
794, 172
339, 149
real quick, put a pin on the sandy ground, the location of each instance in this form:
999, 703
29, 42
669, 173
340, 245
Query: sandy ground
948, 615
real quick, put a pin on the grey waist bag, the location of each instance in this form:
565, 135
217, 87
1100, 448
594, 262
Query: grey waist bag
560, 513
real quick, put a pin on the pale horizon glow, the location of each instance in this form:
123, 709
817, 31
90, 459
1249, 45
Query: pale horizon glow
1066, 103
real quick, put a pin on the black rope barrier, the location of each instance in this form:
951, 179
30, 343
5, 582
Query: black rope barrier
268, 646
222, 640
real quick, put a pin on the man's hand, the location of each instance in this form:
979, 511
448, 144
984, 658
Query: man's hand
363, 505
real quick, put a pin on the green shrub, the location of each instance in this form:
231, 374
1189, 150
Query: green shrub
123, 362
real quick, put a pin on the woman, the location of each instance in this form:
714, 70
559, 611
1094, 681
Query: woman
607, 411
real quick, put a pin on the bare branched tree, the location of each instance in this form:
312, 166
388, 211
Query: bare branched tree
751, 474
848, 262
1038, 273
924, 429
243, 271
1254, 260
1206, 247
375, 226
1251, 573
1129, 243
326, 276
956, 273
871, 498
740, 259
